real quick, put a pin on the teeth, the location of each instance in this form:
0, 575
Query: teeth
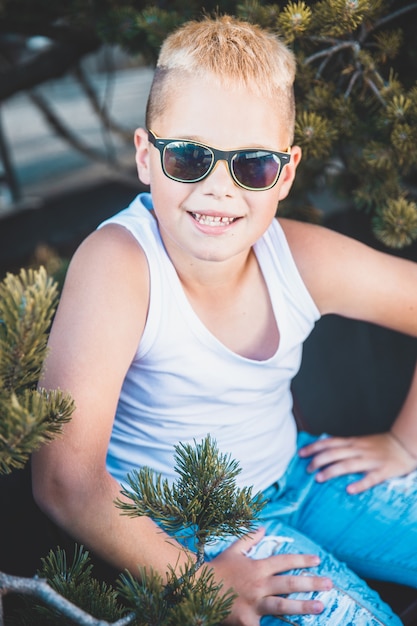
210, 220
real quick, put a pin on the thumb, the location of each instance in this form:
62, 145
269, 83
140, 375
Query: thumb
247, 542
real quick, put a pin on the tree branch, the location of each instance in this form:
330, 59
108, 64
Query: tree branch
393, 16
40, 589
376, 91
352, 82
51, 62
330, 51
66, 133
10, 177
99, 109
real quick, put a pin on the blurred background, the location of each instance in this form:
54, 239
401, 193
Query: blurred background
68, 155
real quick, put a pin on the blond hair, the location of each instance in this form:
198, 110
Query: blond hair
233, 52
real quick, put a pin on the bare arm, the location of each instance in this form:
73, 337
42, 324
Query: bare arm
404, 429
350, 279
96, 330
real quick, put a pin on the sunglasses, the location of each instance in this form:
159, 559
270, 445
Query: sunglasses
189, 162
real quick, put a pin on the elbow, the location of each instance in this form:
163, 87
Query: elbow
44, 493
51, 491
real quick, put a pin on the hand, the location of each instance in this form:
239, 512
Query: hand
378, 457
260, 591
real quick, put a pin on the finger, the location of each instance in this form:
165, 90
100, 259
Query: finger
286, 606
281, 563
341, 468
322, 444
331, 457
300, 583
369, 480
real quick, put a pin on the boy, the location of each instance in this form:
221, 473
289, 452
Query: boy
186, 314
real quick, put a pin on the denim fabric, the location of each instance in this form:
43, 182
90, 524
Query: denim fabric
370, 535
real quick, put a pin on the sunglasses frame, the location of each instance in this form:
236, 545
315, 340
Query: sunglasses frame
219, 155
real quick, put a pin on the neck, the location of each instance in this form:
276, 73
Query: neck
209, 277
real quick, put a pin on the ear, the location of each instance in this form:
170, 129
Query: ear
288, 173
142, 155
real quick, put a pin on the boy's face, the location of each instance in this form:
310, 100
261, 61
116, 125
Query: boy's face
227, 119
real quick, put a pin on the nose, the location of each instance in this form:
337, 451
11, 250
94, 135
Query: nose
219, 182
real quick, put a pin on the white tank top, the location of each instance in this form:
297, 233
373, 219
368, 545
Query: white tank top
183, 383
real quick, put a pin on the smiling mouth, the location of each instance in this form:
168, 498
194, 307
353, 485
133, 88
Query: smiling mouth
213, 220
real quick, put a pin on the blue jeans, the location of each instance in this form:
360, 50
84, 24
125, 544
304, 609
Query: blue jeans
370, 535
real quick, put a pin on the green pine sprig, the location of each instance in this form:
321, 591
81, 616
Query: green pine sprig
395, 224
294, 20
205, 497
27, 304
27, 421
180, 599
74, 581
335, 18
28, 416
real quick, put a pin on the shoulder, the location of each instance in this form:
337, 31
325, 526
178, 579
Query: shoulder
298, 232
107, 285
347, 277
314, 249
112, 239
110, 254
320, 253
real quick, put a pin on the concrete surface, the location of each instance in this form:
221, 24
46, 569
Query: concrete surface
43, 162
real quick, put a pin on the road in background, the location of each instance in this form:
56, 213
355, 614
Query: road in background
44, 163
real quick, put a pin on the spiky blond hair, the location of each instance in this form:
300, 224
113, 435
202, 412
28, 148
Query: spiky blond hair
231, 51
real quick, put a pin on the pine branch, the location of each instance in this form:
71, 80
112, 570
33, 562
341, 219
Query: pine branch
63, 131
183, 599
393, 16
27, 303
205, 498
28, 417
375, 90
395, 223
329, 52
100, 109
41, 590
27, 421
53, 62
355, 76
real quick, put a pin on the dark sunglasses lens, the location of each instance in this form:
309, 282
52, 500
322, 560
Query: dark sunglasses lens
257, 170
186, 161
